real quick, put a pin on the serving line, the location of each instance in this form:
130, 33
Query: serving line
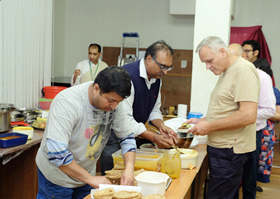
190, 182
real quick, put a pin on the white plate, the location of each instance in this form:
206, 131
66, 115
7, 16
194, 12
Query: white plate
184, 130
194, 143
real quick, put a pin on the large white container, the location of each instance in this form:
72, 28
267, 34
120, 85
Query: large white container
189, 157
24, 130
152, 182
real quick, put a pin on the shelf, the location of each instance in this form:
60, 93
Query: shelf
178, 75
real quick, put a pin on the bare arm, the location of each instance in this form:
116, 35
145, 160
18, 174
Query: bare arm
76, 171
246, 115
128, 174
276, 117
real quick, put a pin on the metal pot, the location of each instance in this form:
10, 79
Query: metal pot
5, 117
17, 117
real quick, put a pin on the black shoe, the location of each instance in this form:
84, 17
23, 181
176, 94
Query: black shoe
259, 189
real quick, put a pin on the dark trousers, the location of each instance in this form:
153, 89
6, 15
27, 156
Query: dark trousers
226, 169
106, 159
249, 178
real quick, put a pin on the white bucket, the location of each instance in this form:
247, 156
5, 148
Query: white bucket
152, 182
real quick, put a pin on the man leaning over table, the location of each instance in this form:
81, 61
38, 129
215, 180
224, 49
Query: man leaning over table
231, 116
145, 100
78, 127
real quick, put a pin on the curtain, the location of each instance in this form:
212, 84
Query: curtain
25, 50
240, 34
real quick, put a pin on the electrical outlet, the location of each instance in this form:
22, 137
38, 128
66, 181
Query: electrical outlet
183, 63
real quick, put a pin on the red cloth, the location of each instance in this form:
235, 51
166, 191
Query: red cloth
240, 34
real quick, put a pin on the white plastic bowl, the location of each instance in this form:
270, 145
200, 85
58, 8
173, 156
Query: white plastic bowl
24, 130
189, 157
152, 182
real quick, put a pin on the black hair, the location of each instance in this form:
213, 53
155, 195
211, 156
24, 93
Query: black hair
156, 47
95, 45
263, 64
114, 79
255, 45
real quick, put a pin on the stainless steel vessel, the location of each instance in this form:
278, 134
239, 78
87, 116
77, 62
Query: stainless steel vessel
5, 117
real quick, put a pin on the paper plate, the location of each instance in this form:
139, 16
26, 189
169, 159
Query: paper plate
184, 130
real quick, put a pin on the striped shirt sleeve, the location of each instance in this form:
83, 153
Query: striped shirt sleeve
128, 143
58, 153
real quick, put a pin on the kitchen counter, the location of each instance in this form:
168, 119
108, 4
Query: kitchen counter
18, 169
190, 182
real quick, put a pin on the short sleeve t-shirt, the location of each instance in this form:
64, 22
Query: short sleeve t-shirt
239, 83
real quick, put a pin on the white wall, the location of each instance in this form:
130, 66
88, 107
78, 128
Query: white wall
79, 23
267, 14
104, 21
203, 80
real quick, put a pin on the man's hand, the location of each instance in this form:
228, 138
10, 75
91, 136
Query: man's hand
163, 142
201, 128
127, 177
96, 180
168, 133
77, 72
192, 121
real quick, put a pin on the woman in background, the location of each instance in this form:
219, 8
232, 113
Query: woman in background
268, 136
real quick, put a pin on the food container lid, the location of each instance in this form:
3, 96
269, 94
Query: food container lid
194, 115
152, 177
5, 107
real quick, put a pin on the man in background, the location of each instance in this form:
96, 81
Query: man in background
88, 69
145, 100
266, 110
231, 117
252, 50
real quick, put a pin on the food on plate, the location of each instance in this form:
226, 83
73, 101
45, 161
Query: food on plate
38, 121
9, 137
114, 176
127, 195
185, 126
154, 196
42, 125
109, 192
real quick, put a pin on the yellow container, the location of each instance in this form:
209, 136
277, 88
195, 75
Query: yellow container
144, 160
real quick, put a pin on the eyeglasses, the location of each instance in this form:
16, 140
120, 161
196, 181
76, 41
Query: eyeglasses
164, 68
247, 51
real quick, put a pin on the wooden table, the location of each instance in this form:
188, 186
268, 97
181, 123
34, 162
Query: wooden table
190, 182
18, 170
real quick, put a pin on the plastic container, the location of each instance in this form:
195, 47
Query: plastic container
189, 157
152, 182
194, 115
24, 130
51, 91
149, 161
18, 140
45, 105
171, 163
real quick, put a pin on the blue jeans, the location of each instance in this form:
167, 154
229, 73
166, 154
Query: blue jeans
49, 190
